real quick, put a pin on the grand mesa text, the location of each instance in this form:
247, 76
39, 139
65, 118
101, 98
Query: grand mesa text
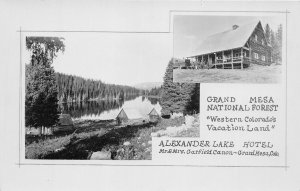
228, 104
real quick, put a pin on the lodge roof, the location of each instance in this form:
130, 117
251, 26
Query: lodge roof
236, 37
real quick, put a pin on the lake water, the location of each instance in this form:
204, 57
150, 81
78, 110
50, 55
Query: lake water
135, 107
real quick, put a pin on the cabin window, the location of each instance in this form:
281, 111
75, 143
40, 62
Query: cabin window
255, 37
255, 55
263, 58
262, 42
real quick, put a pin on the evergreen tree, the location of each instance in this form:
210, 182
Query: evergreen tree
274, 46
74, 88
187, 90
279, 43
171, 93
41, 108
156, 91
178, 97
268, 33
193, 106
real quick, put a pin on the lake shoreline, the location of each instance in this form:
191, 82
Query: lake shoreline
110, 109
125, 142
152, 96
92, 100
106, 133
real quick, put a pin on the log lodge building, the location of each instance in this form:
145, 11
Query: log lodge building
236, 48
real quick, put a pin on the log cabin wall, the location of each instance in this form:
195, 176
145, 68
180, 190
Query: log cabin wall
259, 46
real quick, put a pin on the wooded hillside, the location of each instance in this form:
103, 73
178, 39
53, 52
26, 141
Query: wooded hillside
73, 88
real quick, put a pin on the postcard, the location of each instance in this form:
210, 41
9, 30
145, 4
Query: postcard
158, 94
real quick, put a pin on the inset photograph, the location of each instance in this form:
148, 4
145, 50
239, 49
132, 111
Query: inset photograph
102, 96
227, 49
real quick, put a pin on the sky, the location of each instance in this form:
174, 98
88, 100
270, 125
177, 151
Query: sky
116, 58
134, 58
191, 30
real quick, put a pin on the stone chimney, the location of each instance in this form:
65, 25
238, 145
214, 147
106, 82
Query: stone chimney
235, 27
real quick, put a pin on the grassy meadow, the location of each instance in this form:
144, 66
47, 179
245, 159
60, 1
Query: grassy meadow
131, 142
253, 74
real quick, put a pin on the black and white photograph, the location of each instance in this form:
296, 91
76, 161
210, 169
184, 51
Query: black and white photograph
228, 49
149, 95
102, 97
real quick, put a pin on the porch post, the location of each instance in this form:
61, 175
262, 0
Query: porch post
215, 60
208, 61
242, 59
223, 59
231, 59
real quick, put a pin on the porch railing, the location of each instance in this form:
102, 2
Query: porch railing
228, 62
224, 63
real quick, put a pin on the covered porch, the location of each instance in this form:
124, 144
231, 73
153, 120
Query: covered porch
238, 58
